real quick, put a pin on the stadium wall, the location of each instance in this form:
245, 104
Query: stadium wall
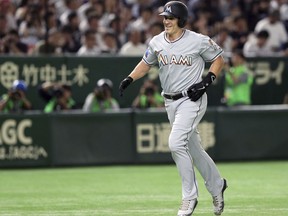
138, 137
270, 84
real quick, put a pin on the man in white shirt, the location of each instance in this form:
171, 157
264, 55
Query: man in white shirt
134, 46
90, 45
256, 45
276, 29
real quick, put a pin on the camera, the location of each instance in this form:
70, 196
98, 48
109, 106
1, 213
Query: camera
15, 94
58, 92
100, 93
149, 91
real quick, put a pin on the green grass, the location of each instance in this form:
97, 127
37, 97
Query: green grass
256, 189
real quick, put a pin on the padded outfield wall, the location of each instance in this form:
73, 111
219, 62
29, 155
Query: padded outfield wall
138, 137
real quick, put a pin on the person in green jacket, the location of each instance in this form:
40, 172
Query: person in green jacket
58, 97
149, 96
101, 98
238, 81
15, 101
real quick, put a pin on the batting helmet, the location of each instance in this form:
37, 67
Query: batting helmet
178, 10
19, 85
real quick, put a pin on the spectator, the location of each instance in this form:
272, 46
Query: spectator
6, 10
239, 33
93, 25
3, 26
111, 8
145, 19
278, 37
101, 98
148, 96
15, 100
257, 46
224, 40
89, 46
134, 46
71, 7
118, 26
32, 29
53, 45
86, 6
200, 23
110, 43
13, 45
51, 21
153, 30
283, 8
58, 97
71, 45
238, 82
91, 21
73, 24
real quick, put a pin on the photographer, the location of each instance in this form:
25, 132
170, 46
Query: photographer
149, 96
101, 98
58, 97
15, 100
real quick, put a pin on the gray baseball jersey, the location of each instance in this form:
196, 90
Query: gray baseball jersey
181, 62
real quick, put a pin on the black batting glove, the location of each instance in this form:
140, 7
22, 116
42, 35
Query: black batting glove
124, 84
197, 90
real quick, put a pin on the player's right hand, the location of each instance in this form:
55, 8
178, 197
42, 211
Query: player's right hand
124, 84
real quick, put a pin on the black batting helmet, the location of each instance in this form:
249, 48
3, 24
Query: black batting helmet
178, 10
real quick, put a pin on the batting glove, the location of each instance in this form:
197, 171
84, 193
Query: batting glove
197, 90
124, 84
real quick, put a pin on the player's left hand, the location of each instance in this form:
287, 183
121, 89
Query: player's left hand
197, 90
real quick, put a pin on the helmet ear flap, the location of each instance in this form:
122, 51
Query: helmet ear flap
181, 23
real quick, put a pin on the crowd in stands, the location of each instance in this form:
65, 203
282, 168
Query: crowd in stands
124, 27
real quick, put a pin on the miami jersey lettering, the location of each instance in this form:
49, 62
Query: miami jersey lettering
182, 67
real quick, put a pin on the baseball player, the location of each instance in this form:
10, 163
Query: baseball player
181, 56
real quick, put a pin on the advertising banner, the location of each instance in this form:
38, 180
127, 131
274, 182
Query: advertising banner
24, 140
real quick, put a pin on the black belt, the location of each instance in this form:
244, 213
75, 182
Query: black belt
174, 96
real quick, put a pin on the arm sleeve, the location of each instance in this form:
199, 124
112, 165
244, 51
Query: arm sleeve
209, 50
149, 56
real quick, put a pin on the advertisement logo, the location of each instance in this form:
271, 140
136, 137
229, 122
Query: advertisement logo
15, 143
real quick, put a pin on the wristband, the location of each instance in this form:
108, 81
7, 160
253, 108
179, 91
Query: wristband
209, 78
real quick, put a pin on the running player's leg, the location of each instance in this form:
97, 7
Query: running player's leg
202, 160
205, 165
184, 116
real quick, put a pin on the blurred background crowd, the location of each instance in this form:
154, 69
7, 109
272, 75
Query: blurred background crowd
124, 27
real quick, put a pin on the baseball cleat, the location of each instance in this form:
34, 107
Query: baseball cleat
187, 207
218, 201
